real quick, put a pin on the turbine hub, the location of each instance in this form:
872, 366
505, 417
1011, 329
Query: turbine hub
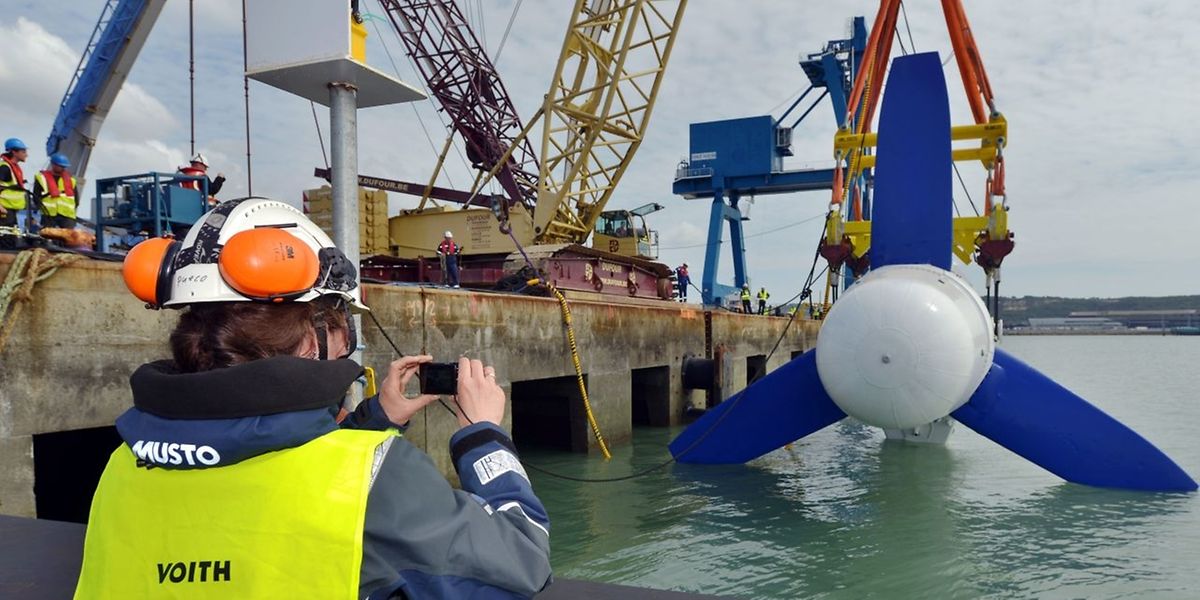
905, 345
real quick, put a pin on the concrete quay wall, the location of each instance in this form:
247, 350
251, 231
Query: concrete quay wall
66, 365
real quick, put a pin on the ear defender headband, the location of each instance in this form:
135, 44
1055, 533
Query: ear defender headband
266, 264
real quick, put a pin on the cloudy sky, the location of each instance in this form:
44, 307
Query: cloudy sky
1100, 97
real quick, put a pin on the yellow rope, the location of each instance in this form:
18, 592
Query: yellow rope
28, 268
587, 405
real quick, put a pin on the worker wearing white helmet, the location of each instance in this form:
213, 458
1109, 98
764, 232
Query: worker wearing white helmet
240, 478
198, 167
448, 253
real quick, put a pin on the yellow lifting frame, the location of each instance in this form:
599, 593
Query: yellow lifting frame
992, 135
967, 232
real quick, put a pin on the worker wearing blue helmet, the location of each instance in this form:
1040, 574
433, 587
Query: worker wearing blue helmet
57, 193
12, 181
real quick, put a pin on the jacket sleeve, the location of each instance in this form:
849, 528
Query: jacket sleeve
490, 539
369, 415
214, 185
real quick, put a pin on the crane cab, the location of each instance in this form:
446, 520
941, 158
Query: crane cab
624, 232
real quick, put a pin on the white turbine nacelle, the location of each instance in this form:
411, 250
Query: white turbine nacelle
905, 345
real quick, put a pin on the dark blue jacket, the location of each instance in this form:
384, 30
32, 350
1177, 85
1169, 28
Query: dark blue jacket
421, 538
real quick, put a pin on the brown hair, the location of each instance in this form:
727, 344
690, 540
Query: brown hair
223, 334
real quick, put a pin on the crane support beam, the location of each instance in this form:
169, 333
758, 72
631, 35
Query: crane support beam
419, 189
116, 41
984, 155
992, 132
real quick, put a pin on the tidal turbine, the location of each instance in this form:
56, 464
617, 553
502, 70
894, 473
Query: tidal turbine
911, 342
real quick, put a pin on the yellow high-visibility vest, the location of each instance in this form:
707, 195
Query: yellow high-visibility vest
745, 294
12, 197
286, 524
61, 205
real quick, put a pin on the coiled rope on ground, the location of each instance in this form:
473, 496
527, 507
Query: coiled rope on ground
28, 268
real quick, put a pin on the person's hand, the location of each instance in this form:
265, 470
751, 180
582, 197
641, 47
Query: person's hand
479, 398
220, 176
399, 408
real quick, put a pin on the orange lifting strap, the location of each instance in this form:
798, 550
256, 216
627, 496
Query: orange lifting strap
869, 81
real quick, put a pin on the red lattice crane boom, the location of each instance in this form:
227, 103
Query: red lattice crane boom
458, 72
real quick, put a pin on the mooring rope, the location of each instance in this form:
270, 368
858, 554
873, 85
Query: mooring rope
28, 268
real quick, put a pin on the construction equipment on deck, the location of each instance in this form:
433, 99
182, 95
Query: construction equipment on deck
147, 205
624, 232
592, 121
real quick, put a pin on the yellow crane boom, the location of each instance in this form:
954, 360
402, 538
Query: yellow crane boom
596, 112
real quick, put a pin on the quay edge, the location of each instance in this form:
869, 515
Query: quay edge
67, 363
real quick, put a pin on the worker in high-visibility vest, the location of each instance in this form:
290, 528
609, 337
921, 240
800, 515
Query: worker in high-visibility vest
746, 298
239, 478
57, 193
762, 300
12, 181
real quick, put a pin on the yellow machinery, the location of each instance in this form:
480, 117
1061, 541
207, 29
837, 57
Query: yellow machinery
624, 232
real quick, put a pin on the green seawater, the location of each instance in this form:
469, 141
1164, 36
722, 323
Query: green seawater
842, 514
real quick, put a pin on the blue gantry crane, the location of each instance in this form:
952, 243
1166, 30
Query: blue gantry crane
736, 158
117, 39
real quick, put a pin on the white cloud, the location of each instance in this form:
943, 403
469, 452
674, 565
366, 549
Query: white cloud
33, 80
131, 139
37, 81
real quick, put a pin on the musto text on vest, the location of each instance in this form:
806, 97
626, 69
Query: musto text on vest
171, 453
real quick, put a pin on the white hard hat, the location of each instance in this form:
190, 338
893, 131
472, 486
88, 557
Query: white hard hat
281, 256
449, 233
199, 158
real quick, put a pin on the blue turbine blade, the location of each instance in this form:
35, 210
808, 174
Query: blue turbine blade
910, 221
782, 407
1028, 413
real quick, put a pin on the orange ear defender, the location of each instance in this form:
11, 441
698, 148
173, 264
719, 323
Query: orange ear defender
269, 264
147, 270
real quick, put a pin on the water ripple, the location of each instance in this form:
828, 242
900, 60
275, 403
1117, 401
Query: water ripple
844, 514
